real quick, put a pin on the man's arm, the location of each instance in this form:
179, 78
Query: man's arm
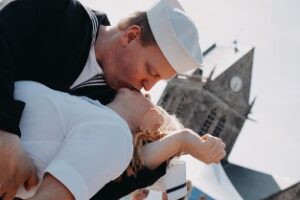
145, 177
18, 28
16, 167
21, 24
52, 189
10, 109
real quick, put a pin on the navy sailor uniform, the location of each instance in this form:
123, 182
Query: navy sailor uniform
48, 41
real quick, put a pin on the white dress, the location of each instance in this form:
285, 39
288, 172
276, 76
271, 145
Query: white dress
77, 140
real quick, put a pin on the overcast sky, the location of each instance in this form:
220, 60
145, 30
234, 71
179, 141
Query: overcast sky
272, 144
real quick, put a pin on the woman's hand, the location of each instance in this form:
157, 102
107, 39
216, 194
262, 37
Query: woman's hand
208, 149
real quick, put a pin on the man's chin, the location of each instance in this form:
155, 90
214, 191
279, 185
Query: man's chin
128, 86
119, 86
134, 88
116, 86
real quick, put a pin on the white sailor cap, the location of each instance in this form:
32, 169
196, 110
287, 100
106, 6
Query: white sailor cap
175, 34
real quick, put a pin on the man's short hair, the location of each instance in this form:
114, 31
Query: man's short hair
140, 19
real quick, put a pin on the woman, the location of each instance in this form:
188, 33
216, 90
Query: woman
78, 145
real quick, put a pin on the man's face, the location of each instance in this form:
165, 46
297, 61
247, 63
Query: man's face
136, 66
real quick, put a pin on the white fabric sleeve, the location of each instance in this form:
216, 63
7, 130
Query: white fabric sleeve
174, 181
92, 155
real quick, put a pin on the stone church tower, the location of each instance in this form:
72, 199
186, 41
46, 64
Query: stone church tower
215, 100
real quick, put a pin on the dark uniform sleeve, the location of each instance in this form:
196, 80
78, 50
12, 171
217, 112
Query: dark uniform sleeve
20, 25
116, 189
20, 22
10, 109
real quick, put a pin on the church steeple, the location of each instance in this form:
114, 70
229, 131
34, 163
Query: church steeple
232, 85
216, 99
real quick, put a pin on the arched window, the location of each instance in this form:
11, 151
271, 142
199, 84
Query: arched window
180, 107
208, 121
220, 126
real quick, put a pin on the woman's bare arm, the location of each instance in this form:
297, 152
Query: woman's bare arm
157, 152
208, 149
52, 189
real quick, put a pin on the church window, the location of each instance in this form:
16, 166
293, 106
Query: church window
220, 126
180, 108
208, 121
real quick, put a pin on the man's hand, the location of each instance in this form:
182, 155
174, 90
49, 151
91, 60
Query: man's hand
16, 168
208, 149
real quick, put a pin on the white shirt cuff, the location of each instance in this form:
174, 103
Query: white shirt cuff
62, 171
175, 179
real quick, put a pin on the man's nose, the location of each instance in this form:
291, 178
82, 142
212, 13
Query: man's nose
148, 84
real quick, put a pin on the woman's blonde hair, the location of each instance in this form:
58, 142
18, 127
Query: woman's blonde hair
142, 137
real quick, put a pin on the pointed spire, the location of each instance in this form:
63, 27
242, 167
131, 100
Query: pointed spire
209, 49
251, 105
209, 78
211, 73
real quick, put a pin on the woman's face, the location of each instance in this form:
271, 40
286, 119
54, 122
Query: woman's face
140, 108
133, 101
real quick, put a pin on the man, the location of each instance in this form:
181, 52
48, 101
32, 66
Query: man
70, 48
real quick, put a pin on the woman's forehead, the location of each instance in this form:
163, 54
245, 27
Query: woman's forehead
139, 99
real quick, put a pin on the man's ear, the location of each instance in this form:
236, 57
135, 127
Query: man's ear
130, 34
152, 120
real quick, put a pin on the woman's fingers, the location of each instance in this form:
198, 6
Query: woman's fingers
214, 149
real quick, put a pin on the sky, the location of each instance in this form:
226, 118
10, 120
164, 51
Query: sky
272, 144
